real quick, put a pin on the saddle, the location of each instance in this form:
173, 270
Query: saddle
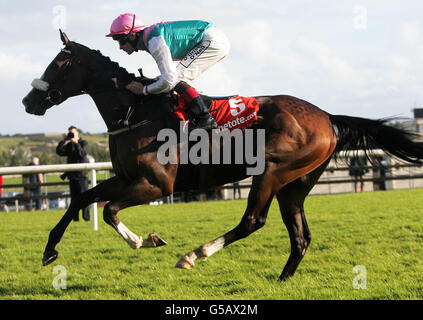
230, 112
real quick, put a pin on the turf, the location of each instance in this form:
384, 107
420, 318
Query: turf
382, 231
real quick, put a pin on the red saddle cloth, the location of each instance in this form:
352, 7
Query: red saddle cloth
230, 113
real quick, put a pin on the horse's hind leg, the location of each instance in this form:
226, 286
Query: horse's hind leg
259, 200
291, 202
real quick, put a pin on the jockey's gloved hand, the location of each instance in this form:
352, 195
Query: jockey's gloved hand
124, 79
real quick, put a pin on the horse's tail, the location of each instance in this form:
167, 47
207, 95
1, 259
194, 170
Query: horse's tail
365, 134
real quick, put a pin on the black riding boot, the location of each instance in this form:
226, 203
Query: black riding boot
202, 117
198, 112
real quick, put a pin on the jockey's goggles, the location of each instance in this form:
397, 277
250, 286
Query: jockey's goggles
122, 38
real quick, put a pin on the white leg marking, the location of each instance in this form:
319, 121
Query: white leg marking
188, 261
133, 240
214, 246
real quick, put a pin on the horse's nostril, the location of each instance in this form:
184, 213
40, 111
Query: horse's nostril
25, 101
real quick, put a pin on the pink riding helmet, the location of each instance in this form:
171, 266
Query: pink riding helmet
123, 24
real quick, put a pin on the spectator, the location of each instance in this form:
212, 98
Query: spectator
380, 174
35, 180
2, 205
357, 171
75, 149
236, 189
218, 193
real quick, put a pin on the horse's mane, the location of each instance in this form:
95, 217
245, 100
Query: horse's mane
111, 67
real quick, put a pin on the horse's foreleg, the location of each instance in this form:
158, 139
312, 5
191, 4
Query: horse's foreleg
259, 200
102, 192
110, 217
135, 194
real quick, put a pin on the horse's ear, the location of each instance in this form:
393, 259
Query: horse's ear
64, 37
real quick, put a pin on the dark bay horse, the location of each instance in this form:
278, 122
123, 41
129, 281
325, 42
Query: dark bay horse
300, 140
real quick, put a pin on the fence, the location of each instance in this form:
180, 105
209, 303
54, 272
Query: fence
336, 180
93, 167
328, 178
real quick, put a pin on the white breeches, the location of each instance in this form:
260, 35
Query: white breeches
213, 48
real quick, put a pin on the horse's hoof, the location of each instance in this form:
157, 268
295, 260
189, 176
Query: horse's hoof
49, 256
184, 263
284, 277
157, 240
137, 244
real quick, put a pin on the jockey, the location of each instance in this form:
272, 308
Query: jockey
196, 45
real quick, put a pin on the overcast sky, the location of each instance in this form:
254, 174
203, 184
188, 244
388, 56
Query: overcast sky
359, 58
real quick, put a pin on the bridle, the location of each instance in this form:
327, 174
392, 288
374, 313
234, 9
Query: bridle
55, 95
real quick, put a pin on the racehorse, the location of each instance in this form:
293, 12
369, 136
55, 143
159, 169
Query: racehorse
300, 140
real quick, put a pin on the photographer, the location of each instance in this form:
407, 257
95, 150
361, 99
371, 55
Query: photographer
75, 149
34, 180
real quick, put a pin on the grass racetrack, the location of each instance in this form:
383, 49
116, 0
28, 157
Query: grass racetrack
382, 231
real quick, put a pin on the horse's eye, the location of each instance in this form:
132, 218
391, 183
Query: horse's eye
62, 64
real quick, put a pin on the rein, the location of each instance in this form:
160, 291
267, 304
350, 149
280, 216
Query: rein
127, 125
130, 127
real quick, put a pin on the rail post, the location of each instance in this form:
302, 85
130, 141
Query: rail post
45, 200
94, 205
